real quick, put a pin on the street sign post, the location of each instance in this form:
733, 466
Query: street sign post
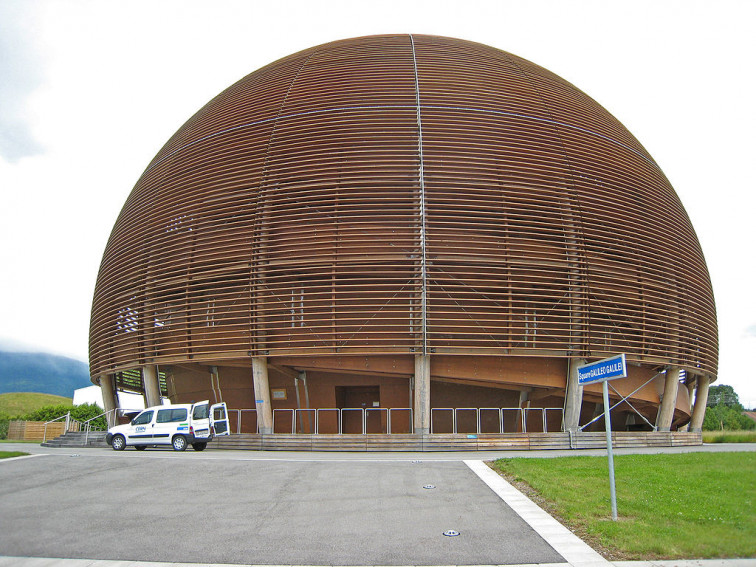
603, 371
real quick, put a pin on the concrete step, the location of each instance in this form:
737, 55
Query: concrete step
78, 439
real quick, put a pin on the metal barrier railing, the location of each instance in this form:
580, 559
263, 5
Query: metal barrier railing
454, 418
373, 411
289, 411
72, 424
325, 412
308, 415
464, 420
543, 417
332, 420
516, 411
392, 420
500, 415
239, 413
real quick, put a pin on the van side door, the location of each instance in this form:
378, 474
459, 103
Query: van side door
168, 422
140, 430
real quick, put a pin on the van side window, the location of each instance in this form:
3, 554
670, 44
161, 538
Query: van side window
200, 412
179, 414
171, 415
142, 418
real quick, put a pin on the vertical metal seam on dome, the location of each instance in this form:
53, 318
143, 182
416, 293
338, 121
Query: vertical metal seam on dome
423, 266
258, 328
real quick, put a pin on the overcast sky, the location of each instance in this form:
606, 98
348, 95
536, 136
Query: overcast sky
89, 91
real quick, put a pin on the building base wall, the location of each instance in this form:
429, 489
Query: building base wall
436, 442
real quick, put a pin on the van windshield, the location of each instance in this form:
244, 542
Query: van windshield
200, 412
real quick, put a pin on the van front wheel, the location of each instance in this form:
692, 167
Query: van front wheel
118, 443
179, 443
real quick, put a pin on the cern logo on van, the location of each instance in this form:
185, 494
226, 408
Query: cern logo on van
603, 370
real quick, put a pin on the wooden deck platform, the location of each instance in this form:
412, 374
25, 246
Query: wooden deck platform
448, 442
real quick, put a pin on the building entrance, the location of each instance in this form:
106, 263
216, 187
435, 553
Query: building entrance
354, 398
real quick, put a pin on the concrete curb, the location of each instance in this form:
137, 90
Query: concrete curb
564, 542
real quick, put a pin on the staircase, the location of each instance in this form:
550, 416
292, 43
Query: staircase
78, 439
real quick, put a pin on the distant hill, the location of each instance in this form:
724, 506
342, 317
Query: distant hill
42, 372
15, 404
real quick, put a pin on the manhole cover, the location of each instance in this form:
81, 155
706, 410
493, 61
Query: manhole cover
451, 533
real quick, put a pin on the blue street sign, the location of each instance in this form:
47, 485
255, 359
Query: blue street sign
603, 370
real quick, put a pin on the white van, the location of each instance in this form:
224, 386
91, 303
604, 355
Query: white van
177, 425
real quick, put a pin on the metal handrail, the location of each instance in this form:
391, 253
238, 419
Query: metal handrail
88, 426
69, 422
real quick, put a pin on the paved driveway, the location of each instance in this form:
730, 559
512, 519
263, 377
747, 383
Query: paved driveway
158, 506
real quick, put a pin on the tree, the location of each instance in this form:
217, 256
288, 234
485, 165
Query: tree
723, 395
724, 412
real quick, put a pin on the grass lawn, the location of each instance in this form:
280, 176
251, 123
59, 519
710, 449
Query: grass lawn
729, 436
8, 454
694, 505
21, 403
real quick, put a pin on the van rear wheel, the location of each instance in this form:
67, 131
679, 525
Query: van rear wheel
179, 443
199, 446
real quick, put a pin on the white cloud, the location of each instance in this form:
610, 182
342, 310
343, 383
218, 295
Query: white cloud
102, 85
21, 69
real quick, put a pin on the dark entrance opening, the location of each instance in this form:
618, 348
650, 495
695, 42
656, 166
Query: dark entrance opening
353, 399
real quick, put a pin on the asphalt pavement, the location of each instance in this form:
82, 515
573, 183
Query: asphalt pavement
97, 507
148, 507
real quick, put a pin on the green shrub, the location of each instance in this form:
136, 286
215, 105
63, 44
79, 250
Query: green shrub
4, 420
82, 412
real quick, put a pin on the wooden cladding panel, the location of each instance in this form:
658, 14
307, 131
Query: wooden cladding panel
307, 209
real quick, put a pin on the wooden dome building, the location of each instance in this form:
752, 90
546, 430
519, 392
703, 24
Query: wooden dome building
409, 223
